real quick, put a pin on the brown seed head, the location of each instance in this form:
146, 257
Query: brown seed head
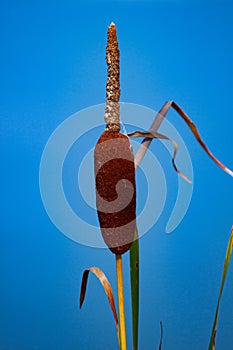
115, 190
114, 165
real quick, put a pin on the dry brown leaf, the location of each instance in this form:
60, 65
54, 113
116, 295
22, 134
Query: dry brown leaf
156, 135
107, 288
195, 132
156, 124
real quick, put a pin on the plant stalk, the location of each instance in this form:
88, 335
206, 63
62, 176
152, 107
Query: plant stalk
134, 251
121, 309
134, 279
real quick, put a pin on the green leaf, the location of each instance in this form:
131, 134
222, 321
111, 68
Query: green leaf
224, 273
134, 251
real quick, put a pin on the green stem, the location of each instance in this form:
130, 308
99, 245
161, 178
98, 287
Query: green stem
134, 251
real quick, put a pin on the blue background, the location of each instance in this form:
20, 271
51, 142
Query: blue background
53, 65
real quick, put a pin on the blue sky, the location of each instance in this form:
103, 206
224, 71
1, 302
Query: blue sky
53, 65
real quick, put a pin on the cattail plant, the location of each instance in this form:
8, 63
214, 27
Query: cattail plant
115, 167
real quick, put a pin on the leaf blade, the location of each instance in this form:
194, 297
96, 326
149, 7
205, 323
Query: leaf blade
196, 133
224, 274
161, 336
107, 288
156, 135
134, 251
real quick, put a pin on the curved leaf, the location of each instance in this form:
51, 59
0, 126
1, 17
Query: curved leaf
195, 132
156, 135
107, 288
157, 122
